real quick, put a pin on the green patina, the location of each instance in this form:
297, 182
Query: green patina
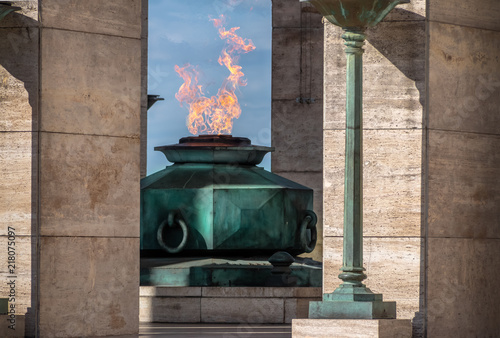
215, 202
201, 271
352, 299
201, 217
226, 207
354, 13
343, 10
6, 8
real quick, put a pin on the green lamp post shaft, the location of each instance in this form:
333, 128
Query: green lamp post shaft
352, 299
352, 269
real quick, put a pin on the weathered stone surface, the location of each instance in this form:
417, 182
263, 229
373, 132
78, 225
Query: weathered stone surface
26, 17
242, 310
392, 193
464, 78
286, 13
18, 331
88, 291
462, 291
393, 71
311, 64
18, 269
464, 189
392, 182
350, 328
261, 292
168, 291
333, 182
334, 68
298, 308
294, 50
16, 183
313, 180
89, 185
89, 286
296, 151
170, 310
413, 11
118, 17
393, 266
297, 97
308, 292
182, 304
90, 95
245, 292
18, 79
479, 13
294, 13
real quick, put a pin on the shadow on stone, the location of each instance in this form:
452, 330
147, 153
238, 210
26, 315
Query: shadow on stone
404, 47
19, 58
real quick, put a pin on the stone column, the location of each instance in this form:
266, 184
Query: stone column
463, 158
71, 128
90, 107
19, 101
297, 100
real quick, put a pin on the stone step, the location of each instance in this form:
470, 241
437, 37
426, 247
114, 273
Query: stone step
262, 305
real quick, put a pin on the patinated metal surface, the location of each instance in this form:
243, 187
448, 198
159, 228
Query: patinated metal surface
6, 8
226, 272
220, 149
358, 14
152, 99
352, 299
214, 199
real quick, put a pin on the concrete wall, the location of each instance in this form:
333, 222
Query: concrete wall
463, 186
297, 100
70, 126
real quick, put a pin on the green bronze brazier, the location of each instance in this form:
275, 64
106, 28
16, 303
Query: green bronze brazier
214, 199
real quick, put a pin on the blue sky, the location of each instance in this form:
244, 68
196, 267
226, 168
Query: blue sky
181, 32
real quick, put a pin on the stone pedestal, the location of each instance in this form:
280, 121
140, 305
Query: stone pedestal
256, 305
341, 328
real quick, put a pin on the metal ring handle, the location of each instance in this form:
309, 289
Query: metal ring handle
309, 222
171, 221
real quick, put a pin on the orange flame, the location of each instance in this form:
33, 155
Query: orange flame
215, 115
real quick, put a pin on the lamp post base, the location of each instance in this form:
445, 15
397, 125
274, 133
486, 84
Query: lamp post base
352, 310
352, 302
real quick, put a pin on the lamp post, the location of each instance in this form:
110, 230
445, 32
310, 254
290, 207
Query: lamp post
6, 8
352, 299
